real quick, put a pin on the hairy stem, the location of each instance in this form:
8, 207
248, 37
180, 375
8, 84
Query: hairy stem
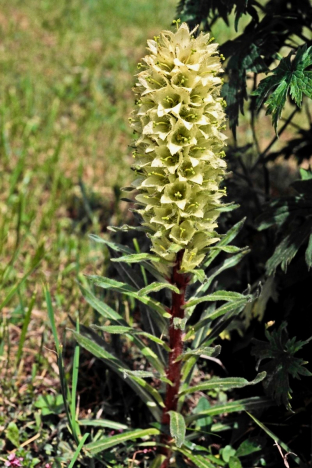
176, 346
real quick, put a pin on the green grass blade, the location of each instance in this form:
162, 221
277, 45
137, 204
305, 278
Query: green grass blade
78, 450
278, 440
51, 318
75, 425
25, 327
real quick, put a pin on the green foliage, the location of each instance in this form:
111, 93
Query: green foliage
292, 216
271, 25
177, 428
290, 76
280, 351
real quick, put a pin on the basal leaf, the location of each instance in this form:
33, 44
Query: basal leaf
177, 427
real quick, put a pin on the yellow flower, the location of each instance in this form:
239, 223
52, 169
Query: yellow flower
179, 157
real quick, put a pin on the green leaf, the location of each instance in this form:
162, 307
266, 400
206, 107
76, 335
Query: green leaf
158, 460
113, 329
227, 452
154, 287
108, 313
235, 306
136, 258
223, 384
199, 460
108, 442
102, 423
288, 248
201, 352
215, 296
280, 351
247, 404
248, 446
288, 77
228, 237
234, 462
135, 376
12, 434
308, 253
50, 404
177, 427
96, 346
227, 248
113, 245
124, 288
205, 422
78, 450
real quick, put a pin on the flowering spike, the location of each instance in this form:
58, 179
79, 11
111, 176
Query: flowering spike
179, 157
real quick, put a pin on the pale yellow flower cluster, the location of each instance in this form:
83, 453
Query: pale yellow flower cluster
179, 157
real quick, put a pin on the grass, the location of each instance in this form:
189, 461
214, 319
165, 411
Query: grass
65, 96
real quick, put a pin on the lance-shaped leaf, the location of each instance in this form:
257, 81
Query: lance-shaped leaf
223, 384
136, 377
136, 258
289, 246
110, 314
225, 240
215, 296
235, 307
154, 287
108, 442
247, 404
124, 288
177, 427
102, 423
279, 441
200, 352
120, 330
199, 460
96, 346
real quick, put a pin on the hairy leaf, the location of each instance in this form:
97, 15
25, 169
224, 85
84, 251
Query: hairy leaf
223, 384
246, 404
108, 442
177, 427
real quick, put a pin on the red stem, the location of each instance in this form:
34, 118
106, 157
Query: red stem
176, 346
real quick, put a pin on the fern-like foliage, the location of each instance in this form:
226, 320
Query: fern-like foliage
280, 350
